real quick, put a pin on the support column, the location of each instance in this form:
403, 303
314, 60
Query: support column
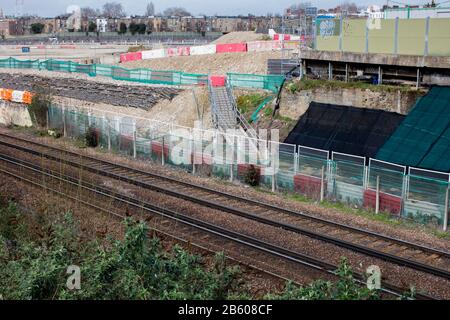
380, 75
346, 72
330, 71
418, 78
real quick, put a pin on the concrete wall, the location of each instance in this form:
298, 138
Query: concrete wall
12, 113
295, 105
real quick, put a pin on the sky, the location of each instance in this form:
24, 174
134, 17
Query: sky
49, 8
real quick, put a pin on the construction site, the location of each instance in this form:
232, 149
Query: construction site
273, 148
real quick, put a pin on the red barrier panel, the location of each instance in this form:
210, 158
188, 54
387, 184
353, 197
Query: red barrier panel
287, 37
231, 47
218, 81
244, 168
157, 149
308, 185
388, 203
67, 46
132, 56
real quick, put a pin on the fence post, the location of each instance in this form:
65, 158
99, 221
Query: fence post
427, 32
446, 210
322, 184
64, 123
192, 155
134, 144
340, 33
367, 39
162, 152
396, 36
109, 134
232, 160
377, 197
274, 175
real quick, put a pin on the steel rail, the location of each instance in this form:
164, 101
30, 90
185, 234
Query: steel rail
237, 237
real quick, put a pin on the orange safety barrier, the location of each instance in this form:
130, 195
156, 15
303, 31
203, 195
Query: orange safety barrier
27, 97
8, 94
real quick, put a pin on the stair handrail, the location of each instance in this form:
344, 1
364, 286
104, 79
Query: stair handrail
245, 124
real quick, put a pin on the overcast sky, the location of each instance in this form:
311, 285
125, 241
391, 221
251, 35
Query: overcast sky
210, 7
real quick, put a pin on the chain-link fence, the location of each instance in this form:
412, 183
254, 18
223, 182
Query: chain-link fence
419, 195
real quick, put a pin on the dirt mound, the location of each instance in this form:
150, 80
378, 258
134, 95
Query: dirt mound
242, 62
238, 37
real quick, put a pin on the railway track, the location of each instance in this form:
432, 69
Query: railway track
170, 221
143, 97
397, 251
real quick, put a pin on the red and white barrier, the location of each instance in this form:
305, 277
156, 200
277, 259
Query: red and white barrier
258, 46
231, 47
153, 54
200, 50
178, 52
253, 46
132, 56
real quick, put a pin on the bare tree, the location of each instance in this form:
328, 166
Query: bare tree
113, 10
90, 13
176, 12
349, 7
150, 11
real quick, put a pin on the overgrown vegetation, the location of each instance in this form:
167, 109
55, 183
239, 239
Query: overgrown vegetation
248, 103
39, 106
34, 261
252, 176
35, 252
311, 84
92, 137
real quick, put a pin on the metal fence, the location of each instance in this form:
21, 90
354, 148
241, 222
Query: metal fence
416, 194
162, 77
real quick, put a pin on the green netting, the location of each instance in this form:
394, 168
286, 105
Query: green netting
267, 82
422, 139
167, 77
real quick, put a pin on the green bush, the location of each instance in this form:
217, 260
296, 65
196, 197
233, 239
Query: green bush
34, 261
92, 137
39, 106
252, 176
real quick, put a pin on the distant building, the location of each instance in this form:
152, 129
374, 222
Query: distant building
101, 25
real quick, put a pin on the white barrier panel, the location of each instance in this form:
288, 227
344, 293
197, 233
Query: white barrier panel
153, 54
199, 50
17, 96
256, 46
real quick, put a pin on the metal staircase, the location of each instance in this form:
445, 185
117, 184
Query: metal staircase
225, 112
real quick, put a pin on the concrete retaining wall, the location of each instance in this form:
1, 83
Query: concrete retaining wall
12, 113
295, 105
